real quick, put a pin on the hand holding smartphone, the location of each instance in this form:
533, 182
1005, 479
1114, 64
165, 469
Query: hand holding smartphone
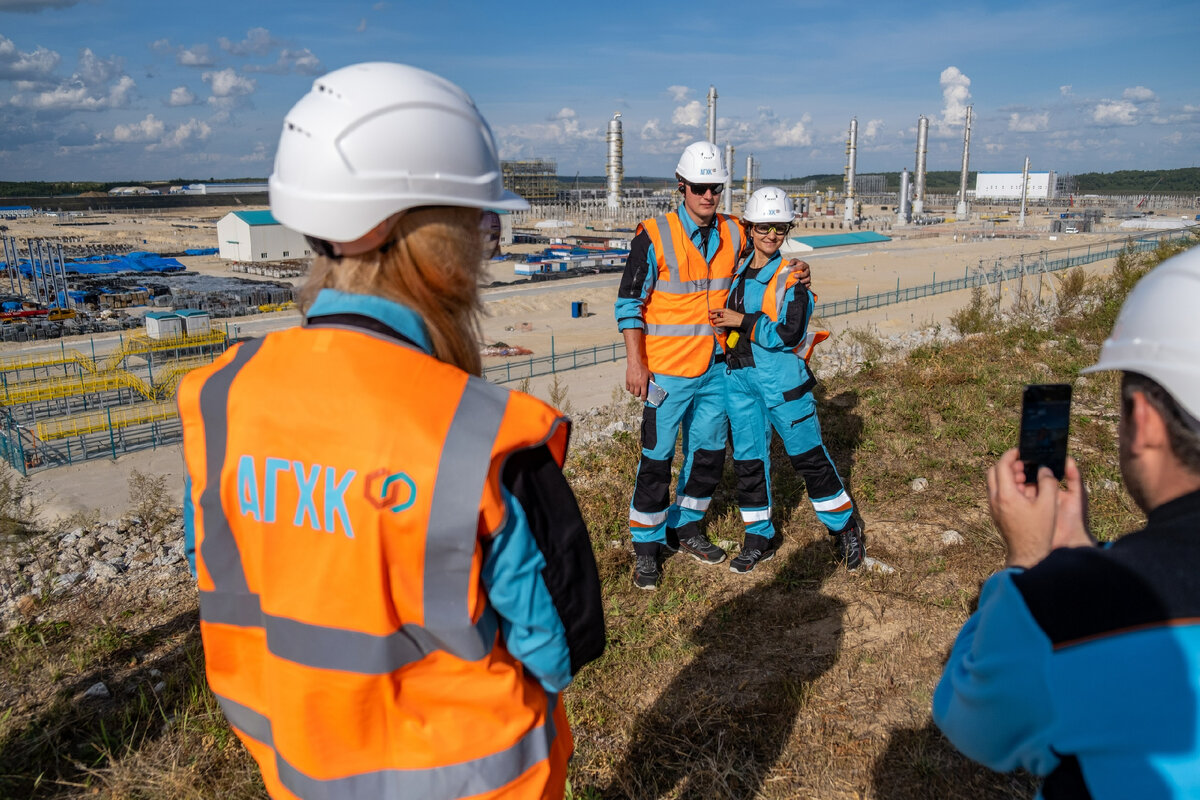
655, 394
1045, 423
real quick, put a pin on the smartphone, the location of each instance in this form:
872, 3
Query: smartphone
1045, 419
655, 394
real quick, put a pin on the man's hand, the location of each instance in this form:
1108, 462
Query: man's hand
803, 270
1071, 521
1024, 514
637, 373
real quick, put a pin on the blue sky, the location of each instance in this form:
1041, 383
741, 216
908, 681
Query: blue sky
156, 89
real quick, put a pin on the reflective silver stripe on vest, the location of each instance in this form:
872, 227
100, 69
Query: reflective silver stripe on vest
219, 548
735, 235
678, 330
691, 287
454, 525
464, 779
454, 521
669, 256
781, 287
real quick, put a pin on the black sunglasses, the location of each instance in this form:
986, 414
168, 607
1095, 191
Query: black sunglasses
701, 189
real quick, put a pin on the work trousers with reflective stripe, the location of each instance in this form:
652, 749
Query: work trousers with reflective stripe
797, 424
697, 407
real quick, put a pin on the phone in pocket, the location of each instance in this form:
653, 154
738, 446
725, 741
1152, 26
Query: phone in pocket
655, 394
1045, 421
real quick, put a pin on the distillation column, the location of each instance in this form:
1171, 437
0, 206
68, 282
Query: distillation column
712, 114
904, 207
851, 163
727, 200
962, 212
922, 152
1024, 192
613, 166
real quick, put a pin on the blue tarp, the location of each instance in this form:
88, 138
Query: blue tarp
110, 264
205, 251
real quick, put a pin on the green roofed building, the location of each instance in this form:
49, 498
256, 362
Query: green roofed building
258, 236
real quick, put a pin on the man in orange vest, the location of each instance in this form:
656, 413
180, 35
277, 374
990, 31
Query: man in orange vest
679, 268
395, 580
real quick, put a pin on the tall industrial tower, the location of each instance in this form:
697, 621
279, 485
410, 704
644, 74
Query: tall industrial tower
614, 167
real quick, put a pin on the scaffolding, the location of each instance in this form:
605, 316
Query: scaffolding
536, 180
65, 407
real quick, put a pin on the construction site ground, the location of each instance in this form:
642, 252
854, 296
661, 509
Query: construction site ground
538, 315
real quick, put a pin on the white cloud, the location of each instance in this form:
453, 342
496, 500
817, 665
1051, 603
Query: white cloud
873, 129
1175, 138
691, 115
302, 62
75, 94
258, 42
652, 130
795, 136
993, 147
956, 94
1065, 91
678, 93
1030, 123
1115, 112
258, 154
181, 96
183, 133
16, 64
561, 130
197, 56
362, 25
149, 129
1139, 94
227, 83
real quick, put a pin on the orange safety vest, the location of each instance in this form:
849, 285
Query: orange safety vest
343, 486
679, 338
777, 288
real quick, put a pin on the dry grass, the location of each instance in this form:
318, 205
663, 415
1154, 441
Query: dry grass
796, 681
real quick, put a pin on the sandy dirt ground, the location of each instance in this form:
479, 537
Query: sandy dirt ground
538, 316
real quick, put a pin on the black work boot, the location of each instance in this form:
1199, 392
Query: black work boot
850, 546
645, 569
754, 550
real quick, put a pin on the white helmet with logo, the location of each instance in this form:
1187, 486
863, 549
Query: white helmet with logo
1158, 333
371, 140
701, 163
769, 204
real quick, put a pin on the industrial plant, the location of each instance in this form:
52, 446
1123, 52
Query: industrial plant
130, 312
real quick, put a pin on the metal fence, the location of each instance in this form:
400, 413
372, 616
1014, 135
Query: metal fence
555, 362
997, 272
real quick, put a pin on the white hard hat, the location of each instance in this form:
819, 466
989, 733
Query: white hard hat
1158, 332
374, 139
769, 204
701, 163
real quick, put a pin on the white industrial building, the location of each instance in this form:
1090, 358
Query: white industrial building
1007, 186
222, 188
258, 236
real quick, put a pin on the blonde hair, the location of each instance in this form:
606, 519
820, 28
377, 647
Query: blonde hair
431, 266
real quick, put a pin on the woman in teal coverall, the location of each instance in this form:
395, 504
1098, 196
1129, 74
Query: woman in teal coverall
770, 385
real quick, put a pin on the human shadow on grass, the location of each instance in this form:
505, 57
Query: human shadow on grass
920, 763
72, 734
725, 719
